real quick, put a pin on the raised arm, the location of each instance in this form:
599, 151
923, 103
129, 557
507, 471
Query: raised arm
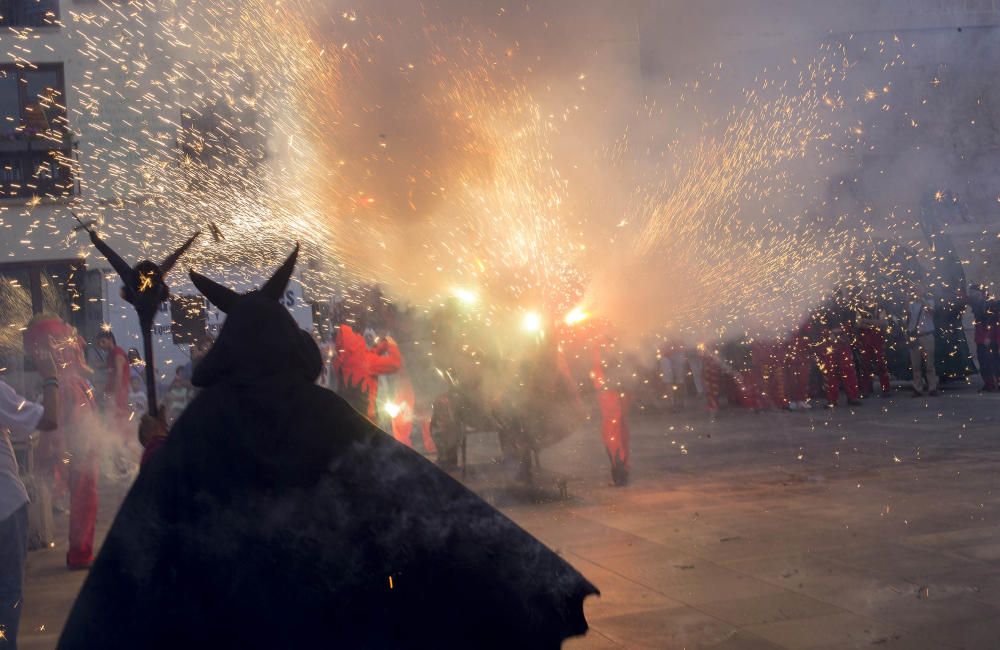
386, 358
120, 266
21, 416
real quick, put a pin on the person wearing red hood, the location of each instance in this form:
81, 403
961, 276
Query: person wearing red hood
834, 323
358, 368
767, 359
614, 427
48, 334
798, 355
118, 381
870, 343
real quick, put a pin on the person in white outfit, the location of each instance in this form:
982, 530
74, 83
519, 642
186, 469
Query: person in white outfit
920, 334
18, 419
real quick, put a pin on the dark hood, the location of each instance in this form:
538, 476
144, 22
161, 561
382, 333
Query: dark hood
259, 340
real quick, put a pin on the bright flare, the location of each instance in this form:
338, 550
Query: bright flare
576, 315
392, 409
531, 322
465, 295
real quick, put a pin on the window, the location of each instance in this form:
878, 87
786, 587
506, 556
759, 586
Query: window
54, 287
220, 130
29, 13
61, 287
15, 296
36, 156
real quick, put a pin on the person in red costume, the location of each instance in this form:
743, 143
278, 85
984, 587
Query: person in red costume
712, 377
767, 357
118, 379
798, 357
987, 335
870, 343
47, 334
835, 323
358, 368
614, 425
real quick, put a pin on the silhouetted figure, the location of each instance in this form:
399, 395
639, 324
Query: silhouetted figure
274, 515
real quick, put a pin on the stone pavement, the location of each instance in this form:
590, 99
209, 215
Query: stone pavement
873, 527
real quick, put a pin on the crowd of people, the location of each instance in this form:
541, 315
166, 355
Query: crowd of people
845, 351
847, 345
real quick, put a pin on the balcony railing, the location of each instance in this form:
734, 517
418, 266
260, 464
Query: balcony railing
29, 173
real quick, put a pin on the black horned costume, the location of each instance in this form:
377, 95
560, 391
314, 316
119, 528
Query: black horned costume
276, 516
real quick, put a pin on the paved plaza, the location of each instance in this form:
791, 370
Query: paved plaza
874, 527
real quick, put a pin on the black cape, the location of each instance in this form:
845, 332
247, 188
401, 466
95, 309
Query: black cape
276, 516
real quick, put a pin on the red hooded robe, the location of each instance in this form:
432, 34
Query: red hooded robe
358, 368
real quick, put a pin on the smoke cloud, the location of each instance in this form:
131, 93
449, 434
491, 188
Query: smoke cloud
704, 169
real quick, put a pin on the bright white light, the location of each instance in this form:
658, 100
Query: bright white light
465, 295
392, 409
576, 315
531, 322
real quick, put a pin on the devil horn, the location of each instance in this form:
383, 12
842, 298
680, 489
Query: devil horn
274, 287
222, 297
172, 259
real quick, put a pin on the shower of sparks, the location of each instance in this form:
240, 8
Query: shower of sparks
709, 223
229, 117
255, 119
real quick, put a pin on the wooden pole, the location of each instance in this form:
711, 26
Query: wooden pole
147, 345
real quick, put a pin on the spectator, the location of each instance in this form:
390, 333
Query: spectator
179, 394
47, 334
768, 360
613, 404
799, 357
135, 362
712, 377
137, 401
18, 418
152, 434
117, 380
694, 359
743, 389
984, 312
673, 370
951, 345
920, 334
834, 323
200, 349
870, 342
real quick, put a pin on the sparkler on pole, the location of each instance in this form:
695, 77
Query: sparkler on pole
145, 289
